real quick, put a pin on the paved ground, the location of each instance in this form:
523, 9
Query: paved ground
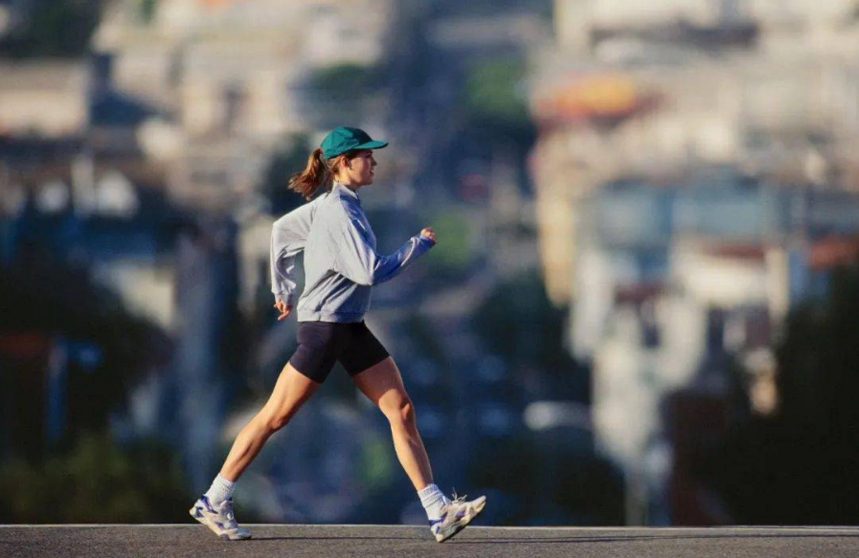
271, 541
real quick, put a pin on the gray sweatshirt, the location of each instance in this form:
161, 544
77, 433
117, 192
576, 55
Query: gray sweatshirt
340, 260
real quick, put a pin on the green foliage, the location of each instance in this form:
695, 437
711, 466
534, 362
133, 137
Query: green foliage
95, 482
497, 119
453, 230
346, 82
54, 29
494, 95
147, 9
376, 464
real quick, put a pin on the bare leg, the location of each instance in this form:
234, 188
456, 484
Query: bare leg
290, 392
383, 385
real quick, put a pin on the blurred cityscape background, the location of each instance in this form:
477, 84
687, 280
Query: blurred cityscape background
642, 309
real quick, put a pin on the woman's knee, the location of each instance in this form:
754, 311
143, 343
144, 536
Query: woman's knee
401, 412
291, 392
274, 421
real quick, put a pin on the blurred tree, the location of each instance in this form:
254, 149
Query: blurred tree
450, 259
344, 94
497, 114
574, 485
496, 123
147, 9
53, 29
345, 82
495, 95
427, 345
799, 466
518, 323
96, 481
83, 476
290, 158
124, 347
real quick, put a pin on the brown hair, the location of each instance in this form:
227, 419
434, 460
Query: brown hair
318, 172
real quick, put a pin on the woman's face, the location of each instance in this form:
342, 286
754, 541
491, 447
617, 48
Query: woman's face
358, 170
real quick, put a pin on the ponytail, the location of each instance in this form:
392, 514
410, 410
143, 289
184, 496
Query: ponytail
314, 175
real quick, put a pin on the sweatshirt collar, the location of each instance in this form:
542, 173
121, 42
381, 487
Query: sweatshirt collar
344, 189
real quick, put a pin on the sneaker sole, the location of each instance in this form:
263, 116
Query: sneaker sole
223, 536
465, 523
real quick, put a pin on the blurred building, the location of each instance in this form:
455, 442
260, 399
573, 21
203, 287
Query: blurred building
648, 92
692, 157
683, 283
47, 100
232, 78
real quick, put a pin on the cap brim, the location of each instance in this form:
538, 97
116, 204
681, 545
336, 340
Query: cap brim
371, 145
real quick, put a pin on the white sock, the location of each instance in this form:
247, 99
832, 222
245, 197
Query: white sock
221, 490
432, 500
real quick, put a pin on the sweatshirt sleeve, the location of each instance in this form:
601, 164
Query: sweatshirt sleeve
288, 238
358, 260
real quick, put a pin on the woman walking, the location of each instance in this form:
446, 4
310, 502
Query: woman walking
341, 266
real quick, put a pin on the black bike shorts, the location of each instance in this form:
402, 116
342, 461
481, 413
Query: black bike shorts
321, 344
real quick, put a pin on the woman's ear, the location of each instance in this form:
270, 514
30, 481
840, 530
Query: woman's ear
336, 165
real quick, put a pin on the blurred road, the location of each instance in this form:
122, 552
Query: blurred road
270, 541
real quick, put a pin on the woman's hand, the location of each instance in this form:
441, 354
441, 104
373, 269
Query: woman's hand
428, 234
283, 309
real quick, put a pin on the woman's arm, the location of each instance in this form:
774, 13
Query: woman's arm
288, 238
358, 260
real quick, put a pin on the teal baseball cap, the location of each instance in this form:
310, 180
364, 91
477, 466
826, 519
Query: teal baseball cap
343, 139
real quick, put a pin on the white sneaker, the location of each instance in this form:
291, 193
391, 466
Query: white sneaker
455, 516
219, 519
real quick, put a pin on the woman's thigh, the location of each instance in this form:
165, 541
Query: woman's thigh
290, 392
382, 384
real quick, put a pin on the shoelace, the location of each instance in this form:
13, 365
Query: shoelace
458, 499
